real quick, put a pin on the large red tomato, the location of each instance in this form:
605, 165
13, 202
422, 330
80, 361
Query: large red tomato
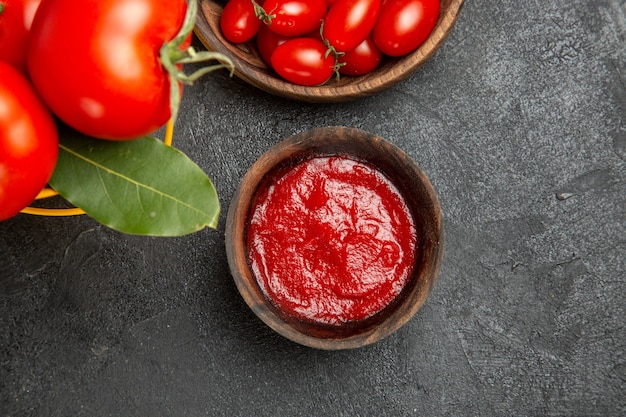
16, 17
96, 63
29, 143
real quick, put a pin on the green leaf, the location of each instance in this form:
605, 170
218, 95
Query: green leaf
141, 186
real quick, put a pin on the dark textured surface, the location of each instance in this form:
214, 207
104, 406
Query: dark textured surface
519, 121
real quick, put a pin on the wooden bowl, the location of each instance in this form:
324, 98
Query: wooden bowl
250, 67
424, 207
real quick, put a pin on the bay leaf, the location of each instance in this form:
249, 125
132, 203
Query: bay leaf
141, 186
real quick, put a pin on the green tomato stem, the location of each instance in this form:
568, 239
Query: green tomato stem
331, 50
260, 12
172, 58
1, 7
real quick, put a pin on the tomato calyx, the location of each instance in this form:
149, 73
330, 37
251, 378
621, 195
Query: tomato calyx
336, 55
264, 16
332, 50
1, 7
173, 57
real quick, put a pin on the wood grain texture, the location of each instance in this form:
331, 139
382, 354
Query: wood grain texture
250, 67
412, 184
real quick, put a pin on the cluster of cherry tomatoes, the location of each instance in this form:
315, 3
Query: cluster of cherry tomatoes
307, 41
94, 65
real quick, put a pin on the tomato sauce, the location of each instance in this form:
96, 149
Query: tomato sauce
330, 240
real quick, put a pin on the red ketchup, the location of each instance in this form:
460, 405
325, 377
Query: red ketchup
330, 240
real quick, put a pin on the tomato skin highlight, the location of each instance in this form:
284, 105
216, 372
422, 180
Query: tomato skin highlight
303, 61
96, 63
361, 60
294, 17
29, 143
16, 19
403, 25
349, 22
238, 21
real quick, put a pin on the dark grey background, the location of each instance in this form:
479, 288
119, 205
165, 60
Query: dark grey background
518, 121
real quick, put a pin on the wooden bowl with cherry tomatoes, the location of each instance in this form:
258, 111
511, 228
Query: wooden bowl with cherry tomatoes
323, 65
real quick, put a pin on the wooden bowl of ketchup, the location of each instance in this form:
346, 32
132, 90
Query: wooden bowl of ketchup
334, 238
250, 66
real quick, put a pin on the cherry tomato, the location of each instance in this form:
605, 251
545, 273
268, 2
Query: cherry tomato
294, 17
315, 34
16, 17
96, 63
362, 59
403, 25
267, 41
239, 22
349, 22
303, 61
29, 143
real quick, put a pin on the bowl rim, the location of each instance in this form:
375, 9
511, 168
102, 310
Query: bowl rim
243, 276
208, 32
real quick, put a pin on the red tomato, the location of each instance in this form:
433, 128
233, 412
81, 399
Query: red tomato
267, 41
239, 22
349, 22
294, 17
29, 143
16, 17
362, 59
315, 34
303, 61
403, 25
96, 63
